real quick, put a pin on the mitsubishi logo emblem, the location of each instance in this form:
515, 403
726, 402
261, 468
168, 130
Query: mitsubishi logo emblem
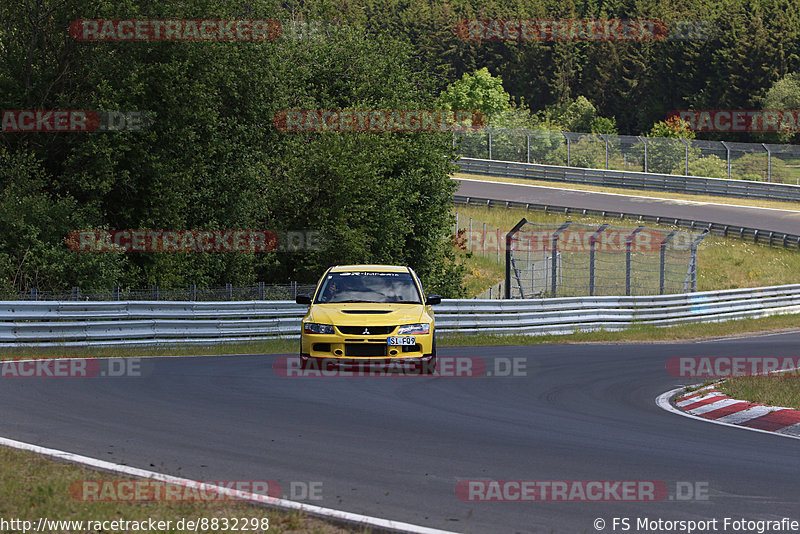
365, 332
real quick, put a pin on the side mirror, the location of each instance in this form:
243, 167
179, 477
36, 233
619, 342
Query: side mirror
303, 298
432, 300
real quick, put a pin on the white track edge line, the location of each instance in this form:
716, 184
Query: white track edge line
663, 402
318, 511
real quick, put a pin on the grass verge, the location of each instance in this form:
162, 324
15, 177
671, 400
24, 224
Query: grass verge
35, 486
778, 389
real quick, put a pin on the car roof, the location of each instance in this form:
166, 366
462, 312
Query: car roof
373, 268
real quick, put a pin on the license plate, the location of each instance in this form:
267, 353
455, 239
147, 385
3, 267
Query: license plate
406, 340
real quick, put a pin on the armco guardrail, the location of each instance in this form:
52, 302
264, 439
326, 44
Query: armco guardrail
38, 324
633, 180
756, 235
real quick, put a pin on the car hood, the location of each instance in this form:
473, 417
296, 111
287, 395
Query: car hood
358, 314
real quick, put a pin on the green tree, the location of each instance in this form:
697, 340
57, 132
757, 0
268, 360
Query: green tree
477, 91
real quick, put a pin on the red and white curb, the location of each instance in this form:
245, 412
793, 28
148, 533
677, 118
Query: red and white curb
709, 404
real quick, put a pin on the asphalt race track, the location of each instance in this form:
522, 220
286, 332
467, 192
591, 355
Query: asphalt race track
396, 447
786, 221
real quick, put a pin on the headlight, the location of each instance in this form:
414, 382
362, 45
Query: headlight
414, 329
316, 328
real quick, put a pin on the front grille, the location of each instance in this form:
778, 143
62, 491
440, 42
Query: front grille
364, 349
322, 347
359, 330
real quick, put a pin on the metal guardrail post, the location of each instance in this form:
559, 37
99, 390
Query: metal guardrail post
662, 263
509, 237
592, 243
628, 243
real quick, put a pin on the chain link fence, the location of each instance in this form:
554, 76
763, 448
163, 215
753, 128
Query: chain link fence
575, 259
262, 291
689, 157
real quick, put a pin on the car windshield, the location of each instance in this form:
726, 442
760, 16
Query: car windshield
368, 286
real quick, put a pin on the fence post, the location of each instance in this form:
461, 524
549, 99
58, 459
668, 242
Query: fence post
592, 243
554, 261
490, 141
662, 267
261, 284
644, 142
116, 293
483, 240
229, 291
528, 145
728, 150
154, 292
694, 259
628, 243
605, 138
769, 162
193, 292
76, 293
686, 165
34, 294
509, 237
569, 148
469, 237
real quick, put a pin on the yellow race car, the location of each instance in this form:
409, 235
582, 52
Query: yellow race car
368, 315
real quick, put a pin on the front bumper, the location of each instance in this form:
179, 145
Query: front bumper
363, 348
